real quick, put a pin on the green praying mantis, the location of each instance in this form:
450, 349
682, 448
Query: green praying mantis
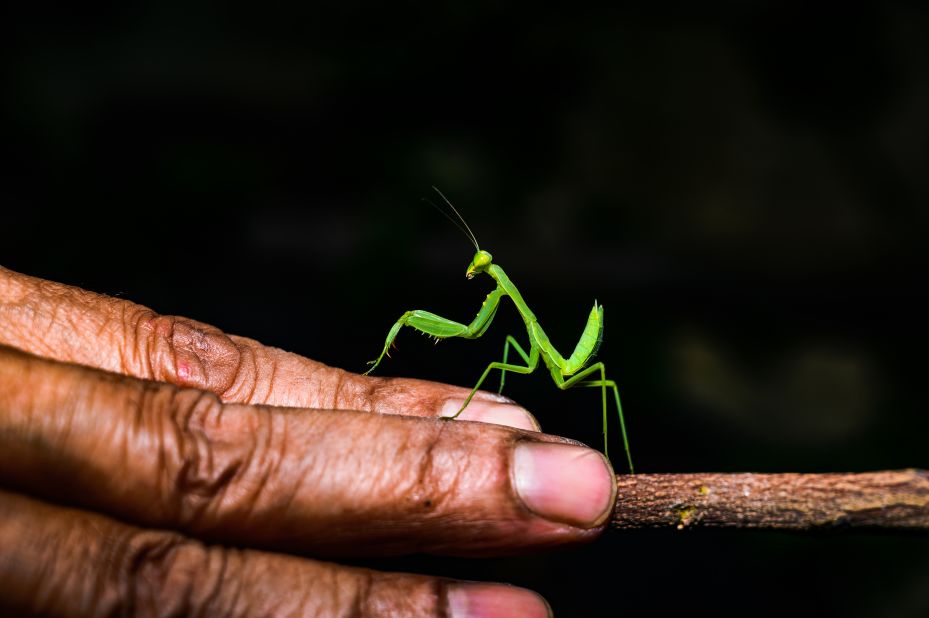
566, 372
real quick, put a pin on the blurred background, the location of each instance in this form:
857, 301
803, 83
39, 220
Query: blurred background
743, 187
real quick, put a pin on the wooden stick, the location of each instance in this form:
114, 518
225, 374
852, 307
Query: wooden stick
896, 499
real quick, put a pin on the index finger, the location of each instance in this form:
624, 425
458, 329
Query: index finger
73, 325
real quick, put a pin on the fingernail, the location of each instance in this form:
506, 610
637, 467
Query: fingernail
492, 600
492, 412
571, 484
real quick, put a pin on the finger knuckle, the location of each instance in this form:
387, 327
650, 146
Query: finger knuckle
396, 396
190, 353
222, 470
200, 469
387, 594
350, 393
434, 480
166, 574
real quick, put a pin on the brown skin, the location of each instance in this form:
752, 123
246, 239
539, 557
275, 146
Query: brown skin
136, 448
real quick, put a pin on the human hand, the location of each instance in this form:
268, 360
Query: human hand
137, 450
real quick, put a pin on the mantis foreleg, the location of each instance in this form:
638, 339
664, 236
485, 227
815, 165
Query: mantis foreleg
442, 328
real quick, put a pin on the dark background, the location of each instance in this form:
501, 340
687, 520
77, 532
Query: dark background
743, 187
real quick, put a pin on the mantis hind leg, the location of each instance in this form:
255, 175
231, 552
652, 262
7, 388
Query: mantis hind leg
510, 341
532, 361
603, 383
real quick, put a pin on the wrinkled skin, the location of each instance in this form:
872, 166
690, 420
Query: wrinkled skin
136, 450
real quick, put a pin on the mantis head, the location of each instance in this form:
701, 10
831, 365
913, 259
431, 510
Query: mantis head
482, 260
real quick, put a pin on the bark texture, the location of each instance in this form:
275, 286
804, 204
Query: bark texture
894, 499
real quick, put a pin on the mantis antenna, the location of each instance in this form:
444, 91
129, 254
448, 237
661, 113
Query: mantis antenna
467, 233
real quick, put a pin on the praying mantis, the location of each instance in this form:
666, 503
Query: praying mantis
566, 372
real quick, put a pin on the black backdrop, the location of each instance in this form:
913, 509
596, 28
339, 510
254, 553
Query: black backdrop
744, 189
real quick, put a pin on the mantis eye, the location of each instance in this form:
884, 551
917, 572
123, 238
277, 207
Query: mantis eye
482, 259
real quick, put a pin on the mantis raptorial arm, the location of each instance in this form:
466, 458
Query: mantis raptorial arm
442, 328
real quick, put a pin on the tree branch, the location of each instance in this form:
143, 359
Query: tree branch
897, 499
